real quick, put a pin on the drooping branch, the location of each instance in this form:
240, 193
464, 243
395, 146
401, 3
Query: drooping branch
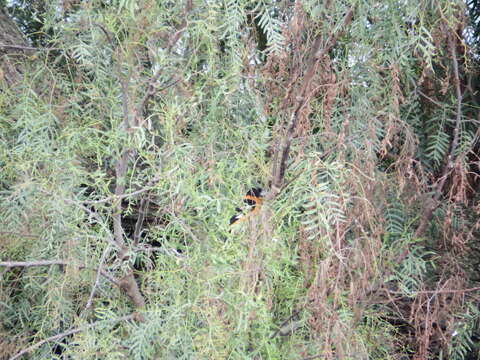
302, 98
452, 156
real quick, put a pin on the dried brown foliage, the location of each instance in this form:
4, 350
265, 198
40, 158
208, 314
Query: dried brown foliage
348, 258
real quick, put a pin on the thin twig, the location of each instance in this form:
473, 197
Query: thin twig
19, 234
313, 357
117, 197
142, 209
283, 324
150, 91
185, 226
12, 264
28, 48
442, 291
97, 278
430, 99
70, 332
33, 263
107, 34
109, 238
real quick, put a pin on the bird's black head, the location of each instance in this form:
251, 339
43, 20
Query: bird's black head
255, 192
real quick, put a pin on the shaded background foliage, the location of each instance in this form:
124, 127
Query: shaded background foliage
135, 127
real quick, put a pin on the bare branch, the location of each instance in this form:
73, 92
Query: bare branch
12, 233
11, 264
27, 48
430, 99
441, 291
34, 263
115, 197
120, 172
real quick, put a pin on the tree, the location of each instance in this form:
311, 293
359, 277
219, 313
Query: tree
129, 140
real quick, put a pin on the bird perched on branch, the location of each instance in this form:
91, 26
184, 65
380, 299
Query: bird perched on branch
252, 203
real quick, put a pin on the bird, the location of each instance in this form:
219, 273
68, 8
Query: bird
252, 201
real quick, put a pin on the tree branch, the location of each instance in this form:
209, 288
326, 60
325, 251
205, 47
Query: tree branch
127, 284
173, 40
120, 172
115, 197
70, 332
427, 215
11, 264
34, 263
442, 291
303, 96
97, 278
19, 234
110, 239
27, 48
141, 217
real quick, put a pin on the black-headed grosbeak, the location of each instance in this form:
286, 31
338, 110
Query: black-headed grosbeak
253, 201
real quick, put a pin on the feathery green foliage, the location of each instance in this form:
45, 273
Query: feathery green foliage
126, 149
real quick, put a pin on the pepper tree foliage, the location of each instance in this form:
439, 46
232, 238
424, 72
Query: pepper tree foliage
129, 143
